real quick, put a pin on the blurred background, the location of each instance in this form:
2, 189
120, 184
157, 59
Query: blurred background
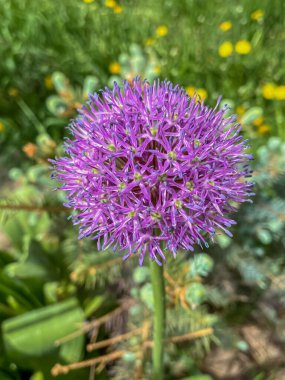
70, 312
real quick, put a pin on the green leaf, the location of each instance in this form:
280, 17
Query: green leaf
56, 105
73, 350
37, 376
196, 294
146, 295
92, 305
223, 240
274, 143
264, 236
50, 291
141, 274
29, 339
251, 115
36, 265
61, 82
19, 291
89, 86
201, 265
251, 273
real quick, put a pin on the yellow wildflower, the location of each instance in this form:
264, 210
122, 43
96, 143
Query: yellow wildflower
264, 129
2, 127
258, 121
226, 49
190, 91
268, 90
225, 26
157, 69
279, 93
30, 149
240, 110
200, 92
110, 3
88, 1
48, 82
118, 8
257, 15
13, 91
149, 41
115, 68
161, 31
243, 47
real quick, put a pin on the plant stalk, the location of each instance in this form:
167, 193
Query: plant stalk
157, 280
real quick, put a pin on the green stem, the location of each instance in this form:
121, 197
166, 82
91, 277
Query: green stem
157, 280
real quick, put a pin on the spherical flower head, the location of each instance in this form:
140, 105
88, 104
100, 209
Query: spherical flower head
150, 170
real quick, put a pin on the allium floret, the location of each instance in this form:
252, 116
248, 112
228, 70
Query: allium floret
147, 164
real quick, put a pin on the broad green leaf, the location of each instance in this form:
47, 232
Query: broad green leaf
29, 339
50, 291
92, 305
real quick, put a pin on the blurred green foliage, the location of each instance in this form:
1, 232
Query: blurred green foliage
51, 284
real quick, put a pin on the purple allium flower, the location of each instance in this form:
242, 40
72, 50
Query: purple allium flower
147, 164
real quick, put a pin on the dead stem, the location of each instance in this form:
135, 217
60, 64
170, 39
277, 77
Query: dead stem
189, 336
116, 339
59, 369
64, 369
96, 323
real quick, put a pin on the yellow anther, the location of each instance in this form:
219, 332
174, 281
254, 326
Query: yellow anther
104, 198
156, 216
172, 155
132, 214
178, 203
122, 186
112, 147
189, 185
197, 143
137, 176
